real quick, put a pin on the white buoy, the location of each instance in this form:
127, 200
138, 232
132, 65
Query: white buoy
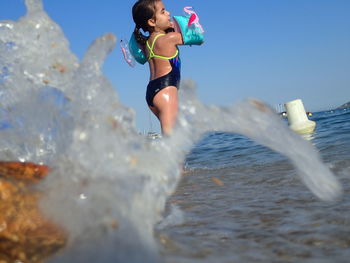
297, 117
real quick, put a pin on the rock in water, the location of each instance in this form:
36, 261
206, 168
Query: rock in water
26, 234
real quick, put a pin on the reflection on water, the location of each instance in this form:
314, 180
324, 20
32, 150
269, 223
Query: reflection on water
109, 185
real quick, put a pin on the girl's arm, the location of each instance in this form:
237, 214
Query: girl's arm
175, 38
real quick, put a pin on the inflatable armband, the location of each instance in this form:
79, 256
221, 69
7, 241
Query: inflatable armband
136, 51
189, 27
124, 45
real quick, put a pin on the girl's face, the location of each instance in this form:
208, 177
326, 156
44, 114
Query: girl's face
162, 17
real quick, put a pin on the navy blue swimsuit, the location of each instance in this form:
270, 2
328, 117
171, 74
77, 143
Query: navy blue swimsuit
170, 79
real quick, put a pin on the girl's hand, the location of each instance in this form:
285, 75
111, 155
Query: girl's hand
171, 28
174, 27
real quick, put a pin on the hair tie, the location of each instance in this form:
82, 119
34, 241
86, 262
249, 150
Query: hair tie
144, 33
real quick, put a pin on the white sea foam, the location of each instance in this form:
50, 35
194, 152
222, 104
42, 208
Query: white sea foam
109, 185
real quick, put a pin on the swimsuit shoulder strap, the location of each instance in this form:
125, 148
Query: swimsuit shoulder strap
150, 48
151, 53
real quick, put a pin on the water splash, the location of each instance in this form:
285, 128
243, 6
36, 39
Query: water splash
109, 185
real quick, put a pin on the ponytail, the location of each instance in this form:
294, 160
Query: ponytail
142, 11
140, 38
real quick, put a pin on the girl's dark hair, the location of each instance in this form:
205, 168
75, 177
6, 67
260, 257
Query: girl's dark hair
142, 11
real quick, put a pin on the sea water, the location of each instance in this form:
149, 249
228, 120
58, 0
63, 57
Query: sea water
242, 202
116, 192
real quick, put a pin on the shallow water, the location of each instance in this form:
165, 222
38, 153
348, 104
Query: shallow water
64, 113
261, 212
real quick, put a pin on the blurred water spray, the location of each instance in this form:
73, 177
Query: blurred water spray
109, 185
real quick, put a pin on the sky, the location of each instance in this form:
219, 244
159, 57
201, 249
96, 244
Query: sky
272, 50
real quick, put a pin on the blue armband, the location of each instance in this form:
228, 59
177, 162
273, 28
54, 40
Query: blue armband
136, 51
189, 27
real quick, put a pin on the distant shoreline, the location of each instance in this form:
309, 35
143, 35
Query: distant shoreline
345, 105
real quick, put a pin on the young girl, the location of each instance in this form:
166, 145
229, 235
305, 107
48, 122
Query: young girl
160, 49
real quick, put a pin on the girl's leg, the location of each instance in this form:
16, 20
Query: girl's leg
166, 108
